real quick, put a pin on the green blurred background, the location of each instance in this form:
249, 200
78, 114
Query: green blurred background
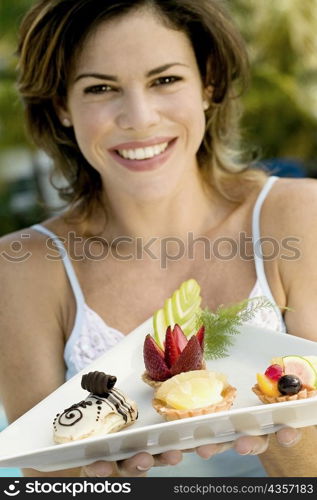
280, 120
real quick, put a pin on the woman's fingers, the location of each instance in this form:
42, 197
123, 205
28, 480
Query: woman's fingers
251, 445
254, 445
172, 457
142, 462
209, 450
288, 436
139, 464
136, 466
98, 469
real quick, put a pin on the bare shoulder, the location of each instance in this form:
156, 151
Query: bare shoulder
31, 331
289, 216
31, 273
29, 250
290, 207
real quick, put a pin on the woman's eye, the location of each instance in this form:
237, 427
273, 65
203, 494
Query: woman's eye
167, 80
98, 89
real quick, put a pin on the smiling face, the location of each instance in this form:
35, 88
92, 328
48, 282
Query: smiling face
135, 101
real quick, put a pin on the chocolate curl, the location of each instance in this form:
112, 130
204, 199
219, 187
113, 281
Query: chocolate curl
98, 383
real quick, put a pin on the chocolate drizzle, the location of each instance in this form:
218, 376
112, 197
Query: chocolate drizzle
73, 413
98, 383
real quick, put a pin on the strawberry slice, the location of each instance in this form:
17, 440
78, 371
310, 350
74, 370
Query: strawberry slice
190, 359
154, 360
200, 335
172, 351
180, 338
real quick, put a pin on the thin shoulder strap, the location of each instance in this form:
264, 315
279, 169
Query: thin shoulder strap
66, 261
256, 235
79, 298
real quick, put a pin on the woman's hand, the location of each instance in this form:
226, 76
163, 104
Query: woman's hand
251, 445
138, 465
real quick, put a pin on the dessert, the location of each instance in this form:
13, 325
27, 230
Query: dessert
178, 355
104, 411
183, 387
287, 378
183, 334
193, 393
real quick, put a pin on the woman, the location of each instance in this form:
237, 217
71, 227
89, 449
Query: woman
136, 103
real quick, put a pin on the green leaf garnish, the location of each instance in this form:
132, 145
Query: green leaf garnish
224, 323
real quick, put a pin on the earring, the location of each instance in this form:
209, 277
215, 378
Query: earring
66, 122
205, 105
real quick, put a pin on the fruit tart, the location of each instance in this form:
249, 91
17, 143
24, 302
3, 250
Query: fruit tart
104, 411
193, 393
183, 335
183, 387
287, 378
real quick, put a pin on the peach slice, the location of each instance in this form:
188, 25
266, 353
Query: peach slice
267, 386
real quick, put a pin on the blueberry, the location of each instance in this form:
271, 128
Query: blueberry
289, 384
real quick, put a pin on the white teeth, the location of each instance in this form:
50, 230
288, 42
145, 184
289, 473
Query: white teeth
143, 153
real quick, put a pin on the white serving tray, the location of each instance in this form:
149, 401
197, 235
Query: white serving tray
28, 442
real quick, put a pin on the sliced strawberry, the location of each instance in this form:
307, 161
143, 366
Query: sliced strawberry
190, 359
172, 351
180, 337
200, 335
154, 360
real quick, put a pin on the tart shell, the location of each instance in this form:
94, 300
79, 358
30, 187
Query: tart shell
228, 394
148, 380
302, 394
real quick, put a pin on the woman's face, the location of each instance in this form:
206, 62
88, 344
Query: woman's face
135, 101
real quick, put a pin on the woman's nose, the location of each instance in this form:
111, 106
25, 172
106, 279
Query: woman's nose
137, 111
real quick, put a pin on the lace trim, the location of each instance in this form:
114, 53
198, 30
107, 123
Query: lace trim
94, 340
266, 318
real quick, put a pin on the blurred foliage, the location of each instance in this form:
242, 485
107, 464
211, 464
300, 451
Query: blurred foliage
12, 219
281, 104
11, 112
12, 131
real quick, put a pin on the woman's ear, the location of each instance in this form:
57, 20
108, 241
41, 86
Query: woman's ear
66, 122
207, 97
62, 112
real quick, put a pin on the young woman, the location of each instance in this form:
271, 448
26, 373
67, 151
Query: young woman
136, 102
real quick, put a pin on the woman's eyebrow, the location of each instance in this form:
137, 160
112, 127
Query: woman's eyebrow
113, 78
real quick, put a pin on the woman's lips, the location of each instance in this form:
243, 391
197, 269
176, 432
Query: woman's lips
146, 163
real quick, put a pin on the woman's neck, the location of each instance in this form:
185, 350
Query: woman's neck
189, 208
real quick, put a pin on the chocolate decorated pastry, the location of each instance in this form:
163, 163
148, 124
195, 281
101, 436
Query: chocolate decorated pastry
104, 411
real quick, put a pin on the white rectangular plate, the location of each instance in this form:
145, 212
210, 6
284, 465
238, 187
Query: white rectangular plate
28, 441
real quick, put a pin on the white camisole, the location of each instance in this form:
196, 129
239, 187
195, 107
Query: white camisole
91, 336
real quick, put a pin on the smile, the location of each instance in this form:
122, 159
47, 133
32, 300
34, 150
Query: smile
143, 153
142, 156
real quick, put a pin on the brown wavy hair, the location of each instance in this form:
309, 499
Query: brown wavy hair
53, 32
